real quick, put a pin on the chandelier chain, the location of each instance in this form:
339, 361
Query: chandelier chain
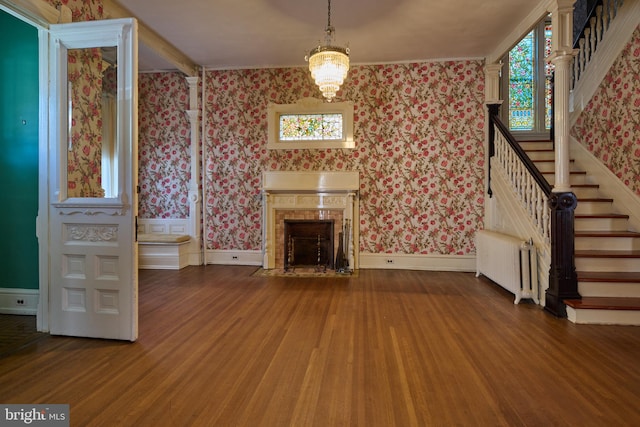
329, 14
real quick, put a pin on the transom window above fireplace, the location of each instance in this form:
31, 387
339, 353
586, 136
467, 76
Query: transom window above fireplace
311, 123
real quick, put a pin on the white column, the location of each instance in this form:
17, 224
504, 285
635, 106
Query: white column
196, 256
492, 83
492, 73
562, 56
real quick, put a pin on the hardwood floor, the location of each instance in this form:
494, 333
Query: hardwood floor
219, 347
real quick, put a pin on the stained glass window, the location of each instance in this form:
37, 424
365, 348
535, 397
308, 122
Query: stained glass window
522, 84
530, 82
311, 127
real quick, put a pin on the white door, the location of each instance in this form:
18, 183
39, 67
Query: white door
93, 275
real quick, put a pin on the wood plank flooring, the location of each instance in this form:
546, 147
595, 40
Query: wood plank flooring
219, 347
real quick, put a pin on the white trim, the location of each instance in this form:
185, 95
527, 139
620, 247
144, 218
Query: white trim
310, 106
233, 257
427, 262
192, 253
19, 301
353, 64
603, 317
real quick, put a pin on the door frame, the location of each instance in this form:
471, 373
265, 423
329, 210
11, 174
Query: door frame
39, 21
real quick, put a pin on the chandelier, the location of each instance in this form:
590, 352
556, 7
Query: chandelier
329, 64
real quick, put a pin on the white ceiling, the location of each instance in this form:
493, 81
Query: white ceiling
227, 34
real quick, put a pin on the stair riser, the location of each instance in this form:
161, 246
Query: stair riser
541, 155
575, 179
604, 317
536, 145
608, 264
545, 167
593, 208
602, 243
586, 193
601, 224
607, 289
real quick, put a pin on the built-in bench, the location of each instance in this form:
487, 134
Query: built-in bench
163, 251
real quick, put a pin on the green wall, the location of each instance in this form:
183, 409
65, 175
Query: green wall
18, 153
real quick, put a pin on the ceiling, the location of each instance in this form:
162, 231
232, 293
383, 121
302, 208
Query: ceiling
228, 34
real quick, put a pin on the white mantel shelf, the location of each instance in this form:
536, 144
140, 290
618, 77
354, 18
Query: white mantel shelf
310, 190
317, 182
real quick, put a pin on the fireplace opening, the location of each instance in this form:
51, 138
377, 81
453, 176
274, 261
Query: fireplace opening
308, 243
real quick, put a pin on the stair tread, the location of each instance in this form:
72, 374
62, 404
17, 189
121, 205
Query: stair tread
607, 215
608, 276
585, 185
604, 303
548, 160
595, 199
608, 254
607, 234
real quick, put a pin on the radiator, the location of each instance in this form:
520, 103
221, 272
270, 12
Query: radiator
508, 261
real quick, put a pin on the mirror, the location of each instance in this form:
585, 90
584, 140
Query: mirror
92, 81
93, 115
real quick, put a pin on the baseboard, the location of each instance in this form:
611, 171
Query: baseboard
234, 257
462, 263
18, 301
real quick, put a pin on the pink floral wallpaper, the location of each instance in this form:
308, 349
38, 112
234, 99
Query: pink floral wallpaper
81, 10
419, 134
609, 126
163, 146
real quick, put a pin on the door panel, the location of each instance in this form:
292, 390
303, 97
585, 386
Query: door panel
93, 252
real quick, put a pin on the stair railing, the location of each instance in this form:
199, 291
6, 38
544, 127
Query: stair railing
551, 213
593, 32
530, 187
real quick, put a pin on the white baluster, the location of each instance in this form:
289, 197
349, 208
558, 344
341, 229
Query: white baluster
587, 45
581, 56
592, 38
599, 24
605, 16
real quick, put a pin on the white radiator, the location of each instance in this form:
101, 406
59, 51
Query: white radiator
508, 261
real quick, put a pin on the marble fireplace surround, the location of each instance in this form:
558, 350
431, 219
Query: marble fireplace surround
309, 191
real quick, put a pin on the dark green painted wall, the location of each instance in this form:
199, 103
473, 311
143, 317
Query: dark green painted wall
18, 153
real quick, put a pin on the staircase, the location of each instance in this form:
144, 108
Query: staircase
607, 253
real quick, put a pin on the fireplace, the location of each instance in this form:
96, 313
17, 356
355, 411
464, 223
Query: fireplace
310, 196
308, 243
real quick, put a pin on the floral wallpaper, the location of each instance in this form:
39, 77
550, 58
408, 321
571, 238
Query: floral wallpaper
81, 10
609, 126
419, 130
164, 158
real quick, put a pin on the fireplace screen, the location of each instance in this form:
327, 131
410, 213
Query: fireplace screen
308, 243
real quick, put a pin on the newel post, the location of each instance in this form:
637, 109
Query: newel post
563, 280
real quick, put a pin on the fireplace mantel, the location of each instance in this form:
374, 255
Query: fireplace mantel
319, 190
316, 182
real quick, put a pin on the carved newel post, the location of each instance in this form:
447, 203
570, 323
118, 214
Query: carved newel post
563, 280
